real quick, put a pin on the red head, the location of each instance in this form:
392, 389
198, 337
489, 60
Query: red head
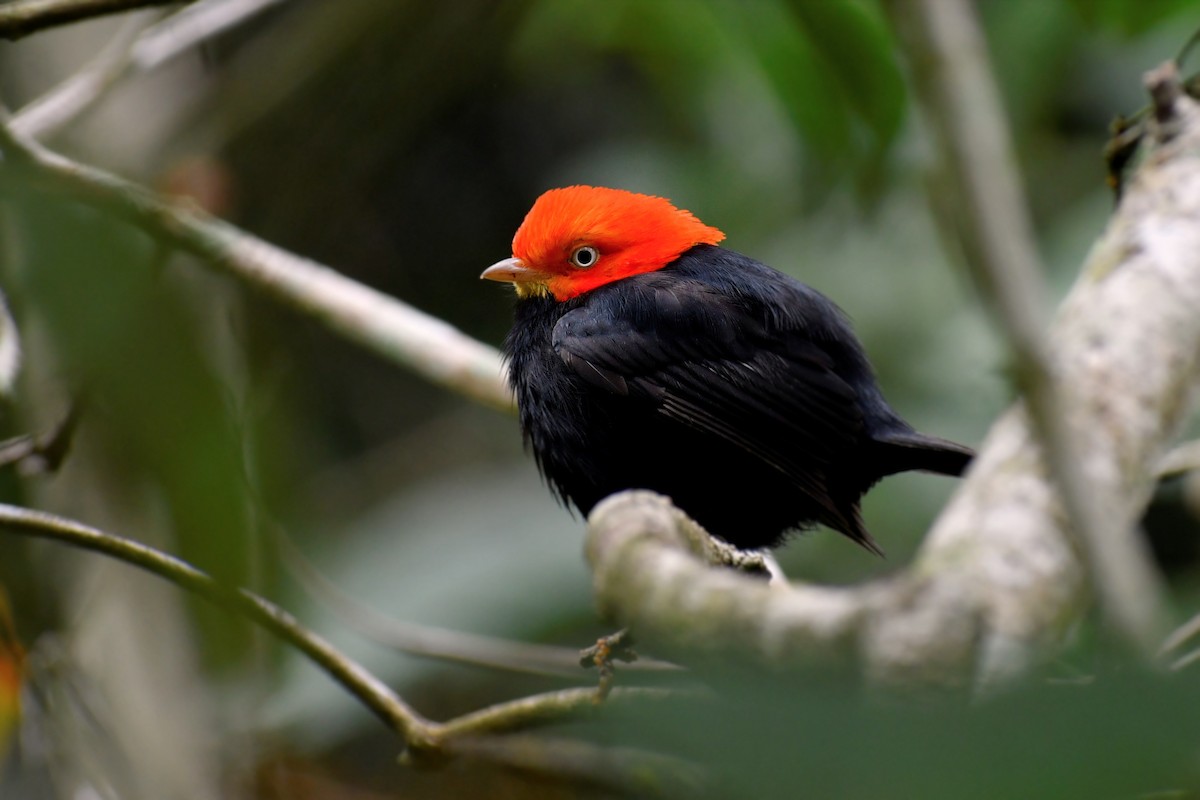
581, 237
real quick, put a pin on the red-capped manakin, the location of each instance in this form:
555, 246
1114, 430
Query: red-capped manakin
644, 356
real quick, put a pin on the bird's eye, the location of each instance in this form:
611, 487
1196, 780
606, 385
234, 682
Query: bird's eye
584, 257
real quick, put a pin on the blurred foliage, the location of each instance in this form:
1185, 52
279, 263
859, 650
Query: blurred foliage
1127, 18
1124, 734
829, 67
129, 344
12, 666
402, 143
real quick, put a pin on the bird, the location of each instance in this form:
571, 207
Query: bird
642, 355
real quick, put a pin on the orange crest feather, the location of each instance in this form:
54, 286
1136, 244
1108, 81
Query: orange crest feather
634, 233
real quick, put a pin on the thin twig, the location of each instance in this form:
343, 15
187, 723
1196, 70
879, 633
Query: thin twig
1181, 636
409, 637
67, 100
540, 709
422, 735
430, 642
428, 345
376, 696
192, 26
133, 50
45, 452
1185, 661
957, 91
22, 17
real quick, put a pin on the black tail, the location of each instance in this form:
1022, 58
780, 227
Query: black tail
909, 450
892, 452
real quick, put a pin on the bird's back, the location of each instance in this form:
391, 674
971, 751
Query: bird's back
738, 391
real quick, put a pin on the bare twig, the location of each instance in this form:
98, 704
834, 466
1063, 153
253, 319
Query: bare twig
1181, 636
430, 642
422, 736
192, 26
398, 332
67, 100
540, 709
377, 697
1185, 661
43, 453
957, 92
133, 50
410, 637
22, 17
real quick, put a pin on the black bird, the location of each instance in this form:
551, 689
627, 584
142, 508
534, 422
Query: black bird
644, 356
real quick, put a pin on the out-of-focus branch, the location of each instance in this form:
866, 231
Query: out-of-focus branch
439, 738
395, 330
538, 709
372, 692
22, 17
10, 340
67, 100
42, 453
132, 51
1184, 634
1183, 459
422, 736
999, 579
437, 643
956, 91
191, 26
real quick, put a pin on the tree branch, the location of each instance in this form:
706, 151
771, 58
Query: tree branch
423, 737
379, 699
1181, 460
539, 709
433, 348
998, 580
427, 345
430, 642
133, 50
22, 17
962, 103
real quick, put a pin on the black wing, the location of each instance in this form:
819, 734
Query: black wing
721, 365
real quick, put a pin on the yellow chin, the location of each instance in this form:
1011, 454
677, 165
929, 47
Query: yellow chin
526, 289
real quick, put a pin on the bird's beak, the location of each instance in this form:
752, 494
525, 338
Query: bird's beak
513, 270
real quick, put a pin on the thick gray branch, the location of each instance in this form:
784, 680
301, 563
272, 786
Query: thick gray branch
956, 91
999, 579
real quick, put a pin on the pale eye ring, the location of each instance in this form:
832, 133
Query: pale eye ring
585, 257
